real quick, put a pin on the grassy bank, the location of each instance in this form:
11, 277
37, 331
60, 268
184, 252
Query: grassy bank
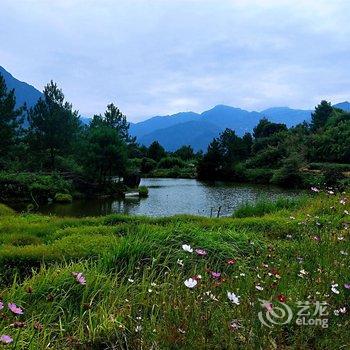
132, 293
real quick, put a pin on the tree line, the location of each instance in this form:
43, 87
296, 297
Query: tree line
50, 137
289, 157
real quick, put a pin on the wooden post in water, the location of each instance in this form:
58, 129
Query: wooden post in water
218, 215
211, 211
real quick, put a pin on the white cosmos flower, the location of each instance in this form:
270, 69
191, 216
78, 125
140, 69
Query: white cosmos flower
233, 298
180, 262
190, 283
334, 288
187, 248
258, 287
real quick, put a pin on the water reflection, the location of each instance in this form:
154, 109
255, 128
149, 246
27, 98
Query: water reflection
170, 197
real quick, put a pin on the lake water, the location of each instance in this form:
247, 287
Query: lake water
170, 197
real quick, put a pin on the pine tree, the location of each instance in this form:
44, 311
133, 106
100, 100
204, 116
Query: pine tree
10, 122
53, 126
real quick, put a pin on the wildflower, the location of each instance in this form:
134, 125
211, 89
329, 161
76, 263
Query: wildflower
315, 189
18, 324
1, 305
233, 298
180, 262
15, 309
130, 280
316, 238
346, 212
79, 277
342, 252
292, 217
235, 325
38, 326
6, 339
197, 277
340, 238
347, 285
302, 273
259, 287
187, 248
330, 192
289, 236
201, 252
334, 288
153, 284
282, 298
190, 283
268, 306
181, 331
150, 290
138, 329
342, 201
231, 261
215, 274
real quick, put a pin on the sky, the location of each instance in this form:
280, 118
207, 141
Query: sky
159, 57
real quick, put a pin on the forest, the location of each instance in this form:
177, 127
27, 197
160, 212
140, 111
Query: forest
48, 152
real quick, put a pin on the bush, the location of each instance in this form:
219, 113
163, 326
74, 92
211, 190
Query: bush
147, 165
63, 198
171, 162
143, 191
259, 175
289, 174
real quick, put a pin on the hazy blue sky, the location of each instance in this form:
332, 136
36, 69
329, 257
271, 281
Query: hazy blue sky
163, 56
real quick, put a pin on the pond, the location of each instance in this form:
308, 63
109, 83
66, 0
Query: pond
172, 196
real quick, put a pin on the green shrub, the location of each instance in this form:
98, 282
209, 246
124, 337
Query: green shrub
143, 191
289, 175
259, 175
63, 198
171, 162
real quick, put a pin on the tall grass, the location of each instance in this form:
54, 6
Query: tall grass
135, 268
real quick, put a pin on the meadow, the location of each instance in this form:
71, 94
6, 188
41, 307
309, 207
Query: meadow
182, 282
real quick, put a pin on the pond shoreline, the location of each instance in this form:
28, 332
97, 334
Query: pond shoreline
168, 197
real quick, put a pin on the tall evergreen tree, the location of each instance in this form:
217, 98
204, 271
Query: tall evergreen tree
10, 122
115, 119
53, 125
322, 113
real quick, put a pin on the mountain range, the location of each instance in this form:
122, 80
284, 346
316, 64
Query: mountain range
186, 128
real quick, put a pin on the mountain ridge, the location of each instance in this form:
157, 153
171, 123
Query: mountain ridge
185, 128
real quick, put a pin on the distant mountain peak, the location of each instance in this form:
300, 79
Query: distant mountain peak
345, 106
24, 92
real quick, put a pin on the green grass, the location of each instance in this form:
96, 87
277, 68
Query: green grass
133, 278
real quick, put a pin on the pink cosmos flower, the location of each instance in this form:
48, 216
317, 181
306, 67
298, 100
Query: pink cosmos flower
6, 339
347, 285
1, 305
282, 298
201, 252
215, 274
231, 261
268, 306
79, 277
15, 309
